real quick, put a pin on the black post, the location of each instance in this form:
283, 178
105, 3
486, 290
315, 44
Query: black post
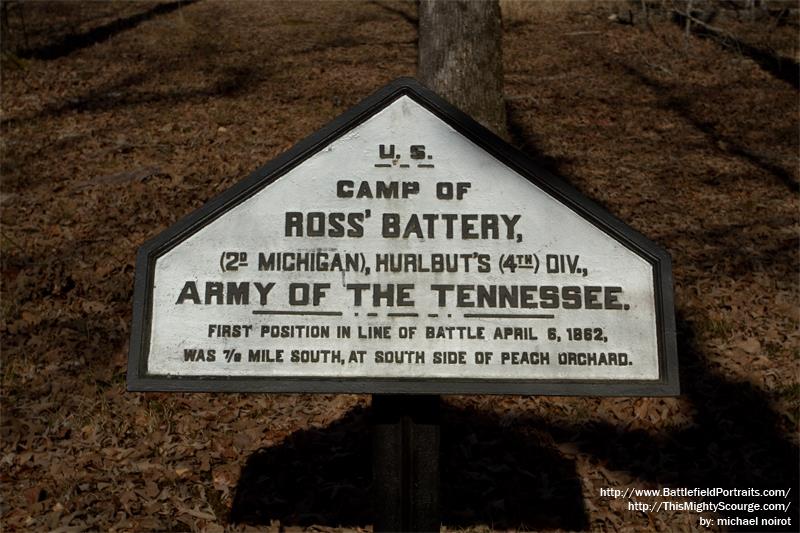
405, 462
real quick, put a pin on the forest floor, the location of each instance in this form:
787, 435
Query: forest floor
120, 118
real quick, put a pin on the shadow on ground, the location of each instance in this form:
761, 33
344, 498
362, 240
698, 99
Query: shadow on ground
501, 476
489, 475
735, 442
670, 100
72, 42
781, 67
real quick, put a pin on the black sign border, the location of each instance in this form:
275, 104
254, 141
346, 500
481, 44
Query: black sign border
139, 380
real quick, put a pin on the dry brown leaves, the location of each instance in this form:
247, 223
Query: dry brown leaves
107, 146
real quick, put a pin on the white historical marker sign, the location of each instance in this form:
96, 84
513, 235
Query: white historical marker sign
403, 248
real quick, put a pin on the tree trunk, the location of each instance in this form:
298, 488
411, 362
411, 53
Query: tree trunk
460, 57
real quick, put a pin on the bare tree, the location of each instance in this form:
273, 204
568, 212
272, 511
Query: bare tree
460, 56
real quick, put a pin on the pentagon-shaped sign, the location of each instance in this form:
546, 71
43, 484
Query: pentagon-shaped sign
403, 248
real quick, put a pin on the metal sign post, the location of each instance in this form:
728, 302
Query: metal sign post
405, 462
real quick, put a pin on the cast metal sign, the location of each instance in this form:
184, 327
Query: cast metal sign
403, 248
